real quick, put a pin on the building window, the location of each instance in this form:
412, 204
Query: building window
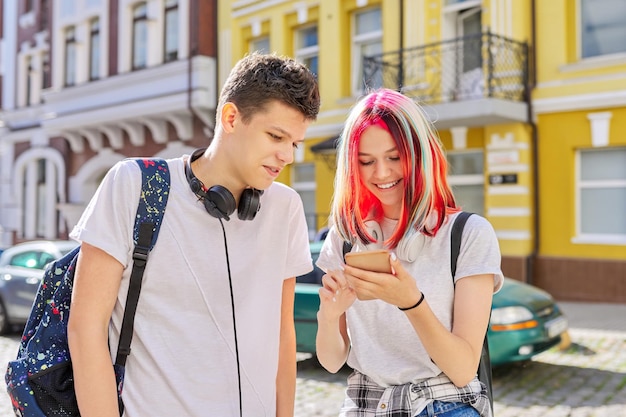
140, 36
70, 56
307, 51
29, 80
466, 177
42, 203
171, 31
303, 181
603, 27
367, 40
261, 45
601, 189
46, 77
94, 50
38, 199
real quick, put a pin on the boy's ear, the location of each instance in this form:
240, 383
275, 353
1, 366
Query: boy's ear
228, 116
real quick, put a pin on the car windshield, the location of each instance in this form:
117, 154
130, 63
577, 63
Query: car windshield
32, 259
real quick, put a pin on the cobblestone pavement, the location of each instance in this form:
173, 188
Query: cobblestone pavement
8, 350
588, 379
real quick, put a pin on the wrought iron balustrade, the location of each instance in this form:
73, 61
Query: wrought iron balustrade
477, 66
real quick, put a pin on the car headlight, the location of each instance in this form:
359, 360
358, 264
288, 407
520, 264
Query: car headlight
512, 318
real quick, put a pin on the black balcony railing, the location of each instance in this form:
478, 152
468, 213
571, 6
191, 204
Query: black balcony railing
476, 66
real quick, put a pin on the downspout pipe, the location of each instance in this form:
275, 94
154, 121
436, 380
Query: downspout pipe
192, 51
194, 22
531, 84
401, 40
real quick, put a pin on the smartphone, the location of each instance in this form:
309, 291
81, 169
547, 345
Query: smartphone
375, 260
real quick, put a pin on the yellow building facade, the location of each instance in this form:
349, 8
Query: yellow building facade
494, 76
579, 104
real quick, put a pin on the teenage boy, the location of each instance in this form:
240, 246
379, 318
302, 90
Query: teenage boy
214, 325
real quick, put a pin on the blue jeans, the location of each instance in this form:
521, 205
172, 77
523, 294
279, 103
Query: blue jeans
445, 409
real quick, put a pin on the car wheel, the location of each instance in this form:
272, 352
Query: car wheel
4, 320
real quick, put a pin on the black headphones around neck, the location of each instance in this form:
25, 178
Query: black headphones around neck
218, 201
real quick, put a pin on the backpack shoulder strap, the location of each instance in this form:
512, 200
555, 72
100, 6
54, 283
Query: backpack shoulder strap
456, 234
155, 185
346, 248
484, 366
155, 189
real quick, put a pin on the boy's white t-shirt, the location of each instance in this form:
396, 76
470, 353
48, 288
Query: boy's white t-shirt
384, 345
182, 360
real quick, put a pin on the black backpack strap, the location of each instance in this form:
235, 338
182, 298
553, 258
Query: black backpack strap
155, 182
484, 367
140, 258
457, 232
347, 247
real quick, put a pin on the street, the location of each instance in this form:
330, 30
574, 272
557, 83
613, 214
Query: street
588, 379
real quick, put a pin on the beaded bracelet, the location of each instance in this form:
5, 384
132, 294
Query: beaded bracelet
414, 306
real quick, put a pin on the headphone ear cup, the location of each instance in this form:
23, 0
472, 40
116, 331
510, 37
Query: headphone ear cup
249, 204
195, 185
221, 201
410, 247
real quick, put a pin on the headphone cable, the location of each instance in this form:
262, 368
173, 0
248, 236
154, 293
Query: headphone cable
232, 301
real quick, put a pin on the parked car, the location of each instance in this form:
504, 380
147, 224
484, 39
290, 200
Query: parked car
525, 320
21, 270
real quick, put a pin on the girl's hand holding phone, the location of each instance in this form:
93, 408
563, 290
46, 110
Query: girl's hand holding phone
386, 279
375, 260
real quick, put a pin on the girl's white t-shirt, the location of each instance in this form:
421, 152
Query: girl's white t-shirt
384, 345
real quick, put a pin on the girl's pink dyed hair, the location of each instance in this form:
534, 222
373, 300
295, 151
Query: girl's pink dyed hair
427, 195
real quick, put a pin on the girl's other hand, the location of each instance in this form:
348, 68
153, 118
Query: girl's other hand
336, 296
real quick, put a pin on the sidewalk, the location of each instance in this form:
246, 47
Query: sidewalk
586, 379
596, 317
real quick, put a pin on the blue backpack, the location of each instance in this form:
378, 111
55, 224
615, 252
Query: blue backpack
40, 381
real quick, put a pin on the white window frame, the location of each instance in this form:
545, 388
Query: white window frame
29, 75
460, 180
581, 53
79, 14
139, 20
307, 52
620, 183
358, 41
70, 70
95, 55
155, 23
28, 81
171, 6
254, 44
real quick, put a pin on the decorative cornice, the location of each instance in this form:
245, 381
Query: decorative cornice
588, 101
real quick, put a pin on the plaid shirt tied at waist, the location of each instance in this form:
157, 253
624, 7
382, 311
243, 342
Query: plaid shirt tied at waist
368, 399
